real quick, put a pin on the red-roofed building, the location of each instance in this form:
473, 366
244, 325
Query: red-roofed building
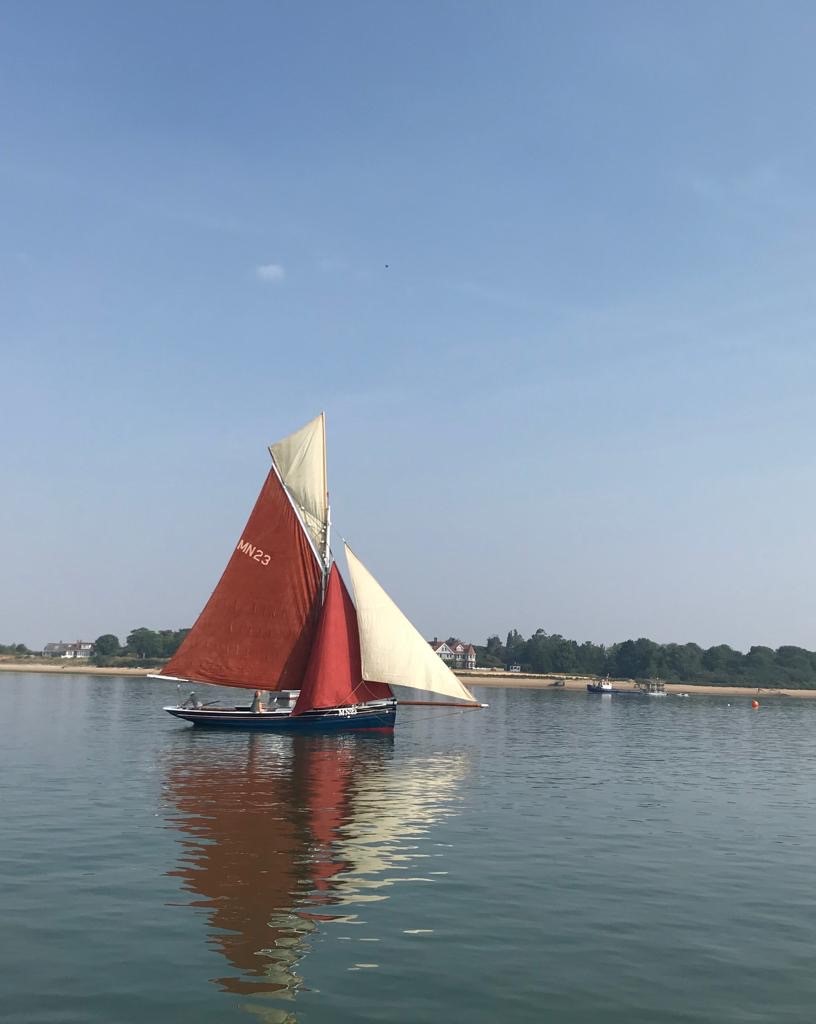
455, 653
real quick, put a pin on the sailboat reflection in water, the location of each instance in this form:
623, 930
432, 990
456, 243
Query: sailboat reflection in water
287, 835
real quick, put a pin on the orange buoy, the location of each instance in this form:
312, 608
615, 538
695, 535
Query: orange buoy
754, 703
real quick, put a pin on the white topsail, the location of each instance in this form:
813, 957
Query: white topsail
301, 462
392, 650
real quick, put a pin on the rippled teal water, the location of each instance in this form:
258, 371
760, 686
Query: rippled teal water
560, 857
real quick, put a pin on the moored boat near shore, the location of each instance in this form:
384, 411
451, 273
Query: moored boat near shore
646, 688
651, 688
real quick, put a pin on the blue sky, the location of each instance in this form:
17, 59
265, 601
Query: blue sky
547, 267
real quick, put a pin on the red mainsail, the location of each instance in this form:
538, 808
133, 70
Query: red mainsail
257, 629
334, 675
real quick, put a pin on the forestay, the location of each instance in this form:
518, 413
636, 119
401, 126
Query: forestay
392, 649
333, 677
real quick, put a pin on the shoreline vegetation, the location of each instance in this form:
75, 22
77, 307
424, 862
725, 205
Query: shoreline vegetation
785, 668
477, 677
541, 661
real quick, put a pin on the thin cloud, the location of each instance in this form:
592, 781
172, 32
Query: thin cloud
761, 186
330, 264
270, 272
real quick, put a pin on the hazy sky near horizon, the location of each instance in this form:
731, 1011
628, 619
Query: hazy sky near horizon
548, 268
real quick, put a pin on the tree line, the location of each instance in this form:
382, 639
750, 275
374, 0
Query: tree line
147, 646
14, 649
546, 652
644, 659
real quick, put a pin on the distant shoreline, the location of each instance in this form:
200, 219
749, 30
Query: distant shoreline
530, 681
71, 668
514, 680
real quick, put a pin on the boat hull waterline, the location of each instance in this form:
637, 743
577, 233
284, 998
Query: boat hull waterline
615, 691
345, 719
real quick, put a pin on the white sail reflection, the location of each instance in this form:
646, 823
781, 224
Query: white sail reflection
390, 810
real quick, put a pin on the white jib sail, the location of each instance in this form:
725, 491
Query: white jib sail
392, 650
301, 462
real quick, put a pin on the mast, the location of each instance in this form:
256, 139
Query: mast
300, 517
327, 541
326, 551
300, 463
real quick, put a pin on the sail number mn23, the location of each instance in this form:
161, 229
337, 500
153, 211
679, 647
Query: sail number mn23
254, 553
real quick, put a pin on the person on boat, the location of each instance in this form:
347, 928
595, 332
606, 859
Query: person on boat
257, 703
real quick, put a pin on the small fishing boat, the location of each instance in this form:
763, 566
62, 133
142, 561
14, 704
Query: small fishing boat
651, 688
647, 688
281, 620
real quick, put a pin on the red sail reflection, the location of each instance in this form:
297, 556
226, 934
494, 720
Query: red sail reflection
260, 820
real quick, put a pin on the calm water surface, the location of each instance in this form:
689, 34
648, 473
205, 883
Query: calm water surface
560, 857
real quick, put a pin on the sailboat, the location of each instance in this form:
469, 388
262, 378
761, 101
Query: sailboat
282, 621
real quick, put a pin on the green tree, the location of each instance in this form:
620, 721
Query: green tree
491, 655
14, 649
796, 665
592, 659
681, 662
722, 662
171, 641
760, 665
107, 645
494, 646
564, 654
516, 648
635, 659
144, 643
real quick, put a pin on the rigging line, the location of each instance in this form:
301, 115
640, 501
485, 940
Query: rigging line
298, 512
424, 717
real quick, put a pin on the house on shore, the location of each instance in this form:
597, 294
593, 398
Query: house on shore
77, 649
455, 653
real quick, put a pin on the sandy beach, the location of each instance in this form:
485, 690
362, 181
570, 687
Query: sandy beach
518, 680
71, 668
521, 680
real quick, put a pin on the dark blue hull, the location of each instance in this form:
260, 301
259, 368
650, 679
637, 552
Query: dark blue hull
593, 688
332, 720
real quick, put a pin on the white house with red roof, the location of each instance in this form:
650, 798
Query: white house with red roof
455, 653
